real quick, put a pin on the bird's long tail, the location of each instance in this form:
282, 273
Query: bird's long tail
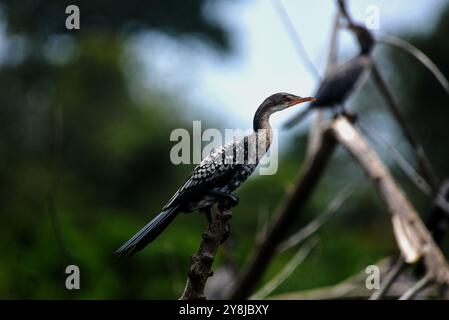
296, 119
148, 233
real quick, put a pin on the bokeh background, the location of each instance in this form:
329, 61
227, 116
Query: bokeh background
86, 115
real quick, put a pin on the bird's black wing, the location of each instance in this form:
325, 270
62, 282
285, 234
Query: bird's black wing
340, 82
336, 86
216, 165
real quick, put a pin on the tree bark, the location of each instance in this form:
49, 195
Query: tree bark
201, 262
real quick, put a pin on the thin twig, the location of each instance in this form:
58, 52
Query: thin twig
262, 224
403, 164
57, 118
391, 277
313, 226
344, 11
318, 123
288, 269
438, 221
413, 238
413, 291
417, 54
295, 37
333, 47
201, 264
424, 163
353, 287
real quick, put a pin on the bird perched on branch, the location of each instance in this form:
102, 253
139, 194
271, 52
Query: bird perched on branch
218, 175
342, 79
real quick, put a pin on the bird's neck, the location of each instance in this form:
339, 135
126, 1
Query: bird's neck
261, 119
262, 128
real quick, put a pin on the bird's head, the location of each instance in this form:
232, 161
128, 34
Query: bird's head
275, 103
364, 37
281, 101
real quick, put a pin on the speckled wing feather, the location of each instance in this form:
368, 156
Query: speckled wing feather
218, 163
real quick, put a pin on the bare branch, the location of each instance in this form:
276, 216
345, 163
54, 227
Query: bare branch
288, 269
413, 291
295, 38
351, 288
57, 125
424, 163
333, 47
403, 164
344, 11
201, 265
262, 224
438, 221
418, 55
318, 222
412, 236
391, 277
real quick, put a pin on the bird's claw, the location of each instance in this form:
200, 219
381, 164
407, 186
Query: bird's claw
233, 200
229, 199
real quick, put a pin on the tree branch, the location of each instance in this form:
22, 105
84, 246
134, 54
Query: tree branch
391, 277
424, 163
418, 55
412, 236
314, 226
57, 126
344, 11
288, 269
413, 291
201, 263
438, 222
402, 163
295, 38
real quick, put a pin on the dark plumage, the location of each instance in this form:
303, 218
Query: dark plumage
342, 79
218, 175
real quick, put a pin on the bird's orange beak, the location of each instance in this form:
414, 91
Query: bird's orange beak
301, 100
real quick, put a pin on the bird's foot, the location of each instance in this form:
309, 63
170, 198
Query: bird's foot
232, 200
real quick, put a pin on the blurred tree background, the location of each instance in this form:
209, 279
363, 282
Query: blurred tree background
84, 163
